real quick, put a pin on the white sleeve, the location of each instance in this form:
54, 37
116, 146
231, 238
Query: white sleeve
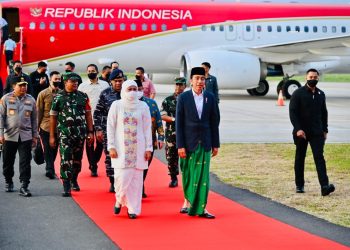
147, 128
112, 125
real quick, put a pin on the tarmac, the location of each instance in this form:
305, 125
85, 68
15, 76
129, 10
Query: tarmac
49, 221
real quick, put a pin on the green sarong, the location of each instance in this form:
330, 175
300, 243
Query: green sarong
195, 179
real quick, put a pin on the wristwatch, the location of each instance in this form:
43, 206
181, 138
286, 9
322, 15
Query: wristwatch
173, 119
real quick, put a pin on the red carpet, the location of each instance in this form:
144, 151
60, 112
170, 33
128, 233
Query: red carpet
161, 226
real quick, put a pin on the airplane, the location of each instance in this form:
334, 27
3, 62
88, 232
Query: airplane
244, 42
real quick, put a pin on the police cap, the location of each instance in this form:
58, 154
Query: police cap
117, 73
18, 80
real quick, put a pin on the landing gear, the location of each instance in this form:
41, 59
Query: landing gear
261, 90
288, 87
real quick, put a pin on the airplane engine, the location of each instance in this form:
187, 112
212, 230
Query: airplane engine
233, 70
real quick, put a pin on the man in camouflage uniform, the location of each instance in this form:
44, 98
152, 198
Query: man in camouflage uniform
168, 111
107, 97
71, 115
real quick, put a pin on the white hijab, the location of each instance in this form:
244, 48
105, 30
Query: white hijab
129, 99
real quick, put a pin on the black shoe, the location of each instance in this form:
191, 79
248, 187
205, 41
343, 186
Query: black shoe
207, 215
24, 191
9, 187
132, 216
326, 190
111, 187
144, 195
184, 210
117, 209
94, 173
173, 183
66, 189
299, 190
75, 186
51, 176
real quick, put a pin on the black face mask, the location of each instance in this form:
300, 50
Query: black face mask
56, 84
18, 69
312, 83
68, 70
107, 76
138, 77
92, 76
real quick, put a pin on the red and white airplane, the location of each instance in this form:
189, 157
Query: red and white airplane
244, 42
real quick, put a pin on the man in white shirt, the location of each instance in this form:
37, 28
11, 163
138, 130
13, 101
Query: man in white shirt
9, 49
93, 88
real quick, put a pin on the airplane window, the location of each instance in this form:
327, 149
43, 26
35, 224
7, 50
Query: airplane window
144, 27
133, 27
297, 28
62, 26
91, 26
164, 28
343, 29
32, 26
81, 26
269, 28
221, 27
288, 29
42, 26
72, 26
154, 27
324, 29
279, 28
231, 28
212, 28
101, 26
112, 26
52, 26
248, 28
204, 28
306, 29
122, 26
314, 29
334, 29
258, 28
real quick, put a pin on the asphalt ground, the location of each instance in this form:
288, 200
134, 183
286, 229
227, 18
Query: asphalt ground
49, 221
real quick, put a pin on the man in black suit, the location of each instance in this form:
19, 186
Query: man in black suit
197, 139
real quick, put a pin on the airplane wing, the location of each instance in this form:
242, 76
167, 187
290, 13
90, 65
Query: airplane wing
317, 46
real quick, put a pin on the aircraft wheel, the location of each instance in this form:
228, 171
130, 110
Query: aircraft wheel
262, 89
289, 87
250, 92
280, 87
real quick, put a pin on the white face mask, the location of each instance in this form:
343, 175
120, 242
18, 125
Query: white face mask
131, 96
139, 94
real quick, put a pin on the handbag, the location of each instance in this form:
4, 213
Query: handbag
39, 153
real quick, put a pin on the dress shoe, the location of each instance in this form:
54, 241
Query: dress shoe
9, 187
66, 189
24, 191
117, 209
111, 187
207, 215
144, 195
326, 190
173, 183
299, 190
51, 176
75, 185
94, 173
132, 216
184, 210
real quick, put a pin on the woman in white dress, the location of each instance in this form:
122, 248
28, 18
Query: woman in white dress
129, 139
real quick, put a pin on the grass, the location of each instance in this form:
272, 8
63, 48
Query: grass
267, 169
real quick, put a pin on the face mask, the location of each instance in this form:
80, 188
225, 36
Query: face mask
68, 70
139, 94
131, 96
138, 77
107, 76
56, 84
18, 69
312, 83
92, 76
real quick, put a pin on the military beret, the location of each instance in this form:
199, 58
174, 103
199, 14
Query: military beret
180, 80
117, 73
71, 76
197, 71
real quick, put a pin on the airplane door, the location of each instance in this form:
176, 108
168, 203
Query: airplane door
248, 31
230, 31
11, 15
